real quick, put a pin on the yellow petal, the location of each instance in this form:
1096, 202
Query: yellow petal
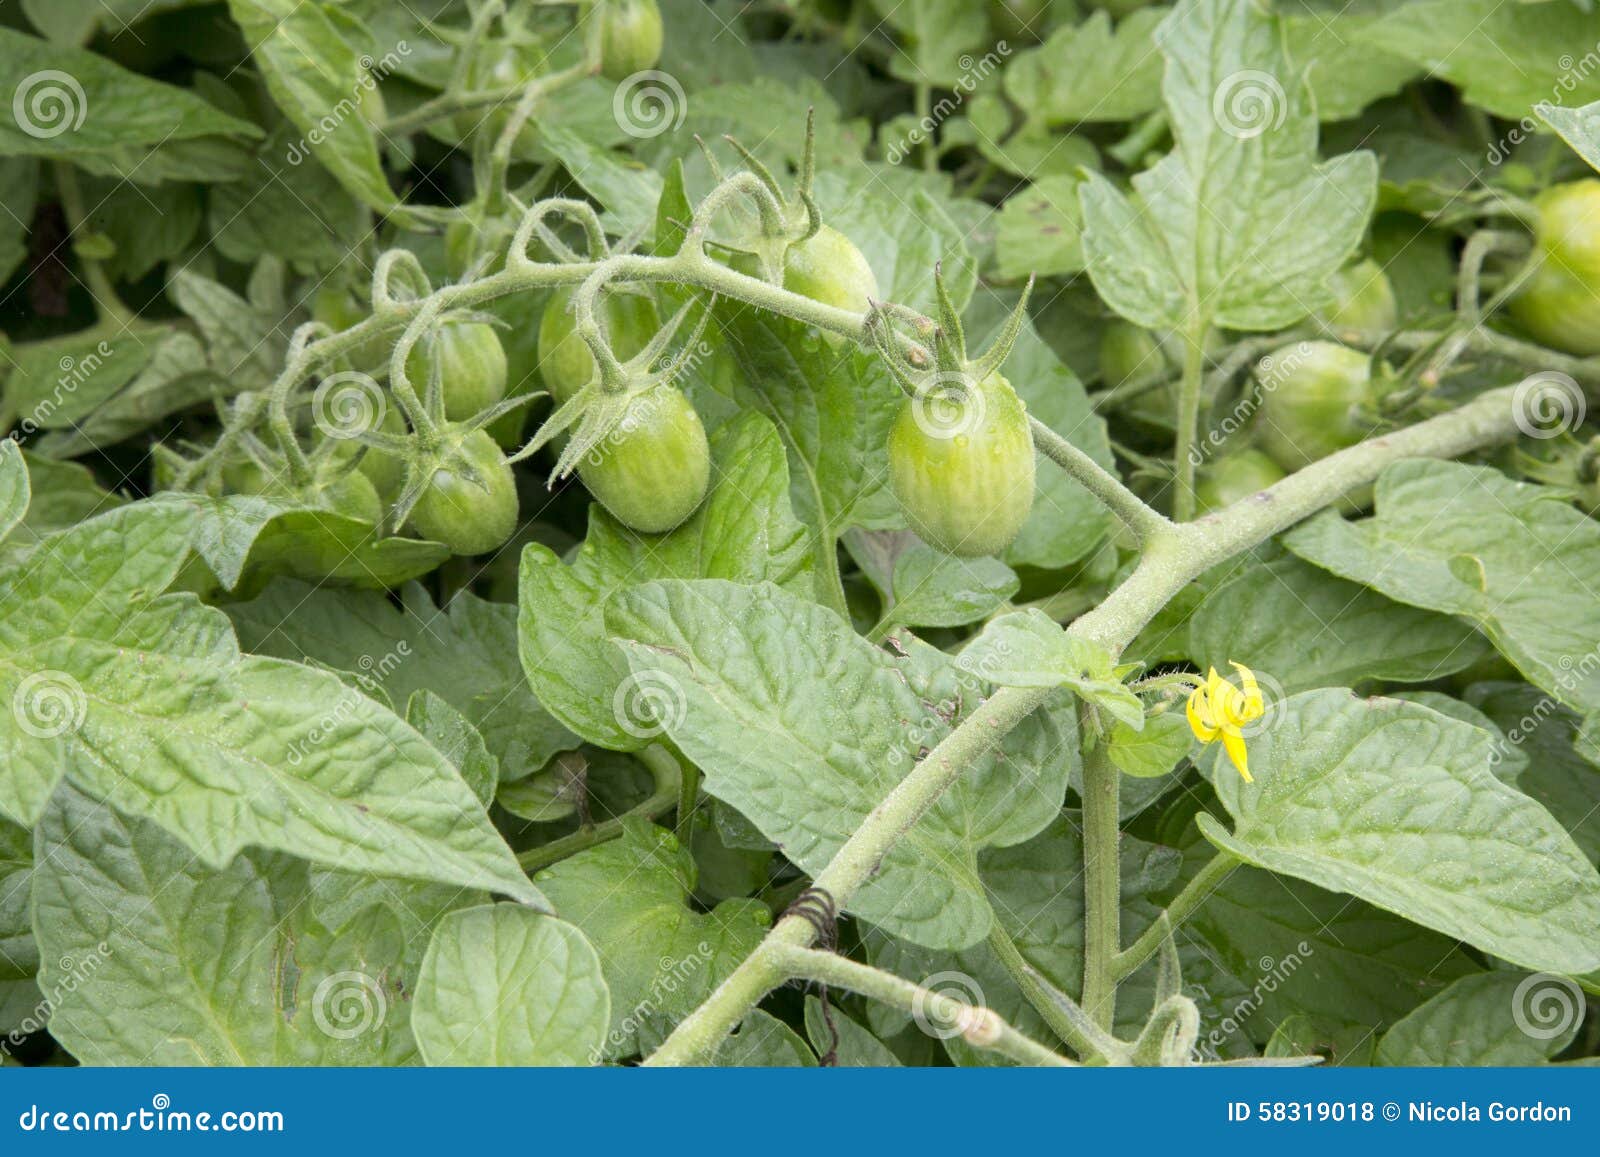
1234, 746
1254, 705
1200, 716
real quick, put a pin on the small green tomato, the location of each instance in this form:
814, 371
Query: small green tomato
1313, 395
471, 364
469, 518
1560, 304
654, 468
1234, 478
630, 320
1363, 299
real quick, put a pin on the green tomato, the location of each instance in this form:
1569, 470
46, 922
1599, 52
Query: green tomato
1234, 478
962, 467
565, 361
352, 494
384, 470
472, 367
630, 38
1363, 299
829, 268
468, 517
1129, 353
343, 492
1312, 398
1560, 304
655, 467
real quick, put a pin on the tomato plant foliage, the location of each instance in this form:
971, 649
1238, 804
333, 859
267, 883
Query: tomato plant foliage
525, 531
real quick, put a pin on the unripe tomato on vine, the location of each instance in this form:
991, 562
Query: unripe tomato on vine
653, 470
1560, 304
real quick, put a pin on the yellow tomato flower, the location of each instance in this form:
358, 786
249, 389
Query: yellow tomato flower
1219, 710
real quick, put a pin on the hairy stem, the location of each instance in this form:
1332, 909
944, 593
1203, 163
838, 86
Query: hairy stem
669, 780
1143, 520
1189, 393
978, 1026
1065, 1017
1194, 893
1102, 879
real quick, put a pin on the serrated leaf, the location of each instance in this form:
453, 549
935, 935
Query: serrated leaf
1029, 649
1303, 628
660, 957
1240, 226
1512, 558
1040, 230
741, 670
1090, 72
934, 589
454, 737
1395, 803
744, 531
1492, 1018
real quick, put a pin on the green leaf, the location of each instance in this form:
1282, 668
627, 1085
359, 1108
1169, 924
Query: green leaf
317, 78
1505, 57
1240, 226
1304, 950
74, 105
1512, 558
1040, 230
625, 189
465, 653
1090, 72
1326, 42
762, 1041
744, 531
1556, 774
855, 1048
929, 588
1029, 649
1152, 751
156, 959
19, 956
1508, 761
1395, 803
1579, 127
147, 225
1300, 628
504, 985
14, 491
1492, 1018
733, 670
935, 38
454, 737
19, 190
298, 212
143, 700
661, 958
244, 344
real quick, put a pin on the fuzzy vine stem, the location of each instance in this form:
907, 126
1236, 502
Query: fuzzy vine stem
1171, 560
669, 778
1066, 1017
1189, 395
1194, 893
978, 1026
1102, 877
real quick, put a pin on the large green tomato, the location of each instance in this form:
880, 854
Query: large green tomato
654, 468
961, 463
630, 37
1363, 299
1234, 478
565, 361
469, 518
1312, 401
1560, 304
471, 364
827, 267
